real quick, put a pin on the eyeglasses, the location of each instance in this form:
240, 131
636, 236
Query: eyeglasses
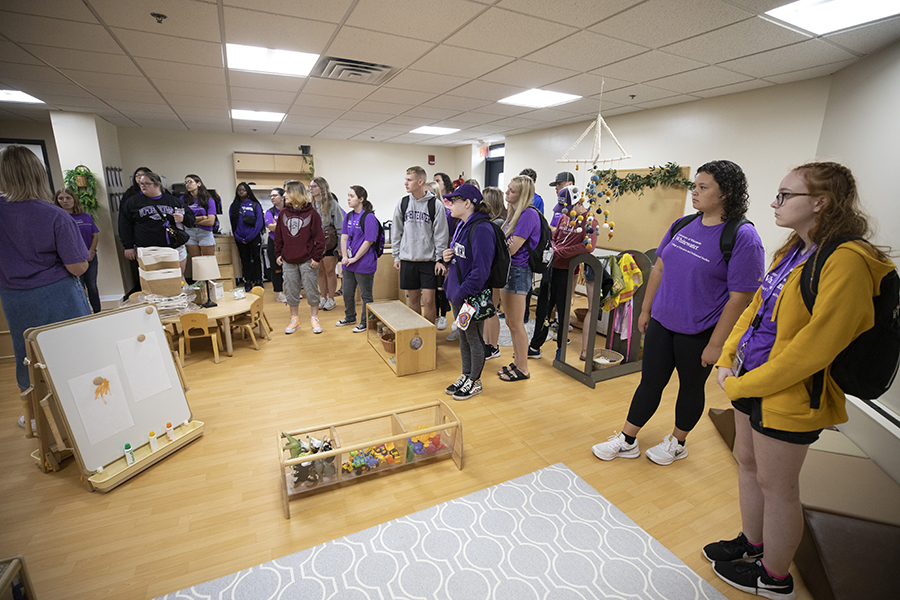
782, 196
145, 183
313, 185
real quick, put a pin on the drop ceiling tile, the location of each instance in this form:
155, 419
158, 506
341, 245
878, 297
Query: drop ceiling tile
317, 112
549, 115
586, 84
198, 101
15, 54
254, 127
142, 44
200, 113
409, 138
261, 104
680, 99
740, 39
367, 117
71, 11
298, 130
261, 81
431, 113
332, 11
474, 118
657, 23
802, 74
456, 103
759, 6
585, 51
493, 128
390, 128
119, 121
334, 87
56, 32
805, 55
502, 110
642, 93
621, 110
413, 122
699, 79
19, 112
362, 125
70, 101
651, 65
568, 11
98, 62
324, 101
159, 124
372, 136
334, 135
487, 90
515, 122
39, 88
195, 20
528, 74
461, 62
141, 109
295, 120
425, 81
211, 125
22, 72
407, 17
868, 38
385, 108
491, 32
586, 106
239, 94
410, 97
379, 48
255, 28
182, 71
733, 89
116, 94
90, 79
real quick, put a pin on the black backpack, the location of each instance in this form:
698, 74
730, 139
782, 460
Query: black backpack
378, 246
541, 256
726, 238
500, 266
432, 207
867, 366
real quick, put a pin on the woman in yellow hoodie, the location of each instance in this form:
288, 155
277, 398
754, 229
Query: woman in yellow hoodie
767, 366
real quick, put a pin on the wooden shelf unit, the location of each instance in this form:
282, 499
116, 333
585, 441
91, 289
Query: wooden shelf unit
414, 337
366, 433
267, 171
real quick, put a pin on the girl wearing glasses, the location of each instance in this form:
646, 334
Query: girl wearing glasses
768, 364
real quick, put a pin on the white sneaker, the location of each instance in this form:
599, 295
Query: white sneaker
322, 302
441, 323
293, 325
667, 452
329, 304
280, 297
454, 335
361, 328
316, 326
616, 447
22, 423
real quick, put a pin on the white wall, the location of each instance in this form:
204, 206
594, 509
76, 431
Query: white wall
766, 131
378, 167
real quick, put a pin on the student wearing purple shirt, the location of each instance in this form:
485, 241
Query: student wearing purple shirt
523, 231
692, 301
203, 205
41, 254
247, 221
359, 233
67, 200
276, 273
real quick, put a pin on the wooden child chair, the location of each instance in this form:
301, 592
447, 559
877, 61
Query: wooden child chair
251, 320
259, 291
195, 325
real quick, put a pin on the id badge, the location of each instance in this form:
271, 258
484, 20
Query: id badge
738, 361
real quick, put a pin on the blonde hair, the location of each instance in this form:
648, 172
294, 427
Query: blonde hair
436, 188
77, 209
493, 199
418, 171
525, 186
325, 200
22, 175
295, 195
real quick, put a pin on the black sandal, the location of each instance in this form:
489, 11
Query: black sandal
505, 369
513, 374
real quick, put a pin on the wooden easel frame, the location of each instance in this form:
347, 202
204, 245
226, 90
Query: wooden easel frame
632, 364
54, 435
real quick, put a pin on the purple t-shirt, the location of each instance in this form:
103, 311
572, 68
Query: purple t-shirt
695, 279
271, 217
86, 227
356, 236
201, 210
759, 340
37, 240
528, 227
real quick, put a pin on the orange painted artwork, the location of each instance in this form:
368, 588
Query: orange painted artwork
102, 390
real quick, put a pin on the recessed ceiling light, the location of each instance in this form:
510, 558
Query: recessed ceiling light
536, 98
434, 130
17, 96
256, 115
266, 60
824, 16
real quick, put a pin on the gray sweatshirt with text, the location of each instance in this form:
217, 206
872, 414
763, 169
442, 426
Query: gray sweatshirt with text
414, 237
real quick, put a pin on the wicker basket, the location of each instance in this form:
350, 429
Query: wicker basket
580, 314
612, 356
387, 340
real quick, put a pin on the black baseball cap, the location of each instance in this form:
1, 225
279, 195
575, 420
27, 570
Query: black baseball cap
562, 178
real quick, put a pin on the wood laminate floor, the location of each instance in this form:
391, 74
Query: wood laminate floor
215, 507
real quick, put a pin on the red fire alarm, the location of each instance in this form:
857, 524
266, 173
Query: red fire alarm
431, 159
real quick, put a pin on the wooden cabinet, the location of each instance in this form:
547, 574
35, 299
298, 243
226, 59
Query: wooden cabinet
414, 337
266, 171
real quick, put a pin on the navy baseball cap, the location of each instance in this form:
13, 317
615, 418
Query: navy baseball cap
467, 191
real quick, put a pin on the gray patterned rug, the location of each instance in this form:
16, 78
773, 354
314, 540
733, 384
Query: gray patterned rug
547, 534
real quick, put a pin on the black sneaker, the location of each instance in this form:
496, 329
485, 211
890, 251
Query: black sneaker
491, 352
752, 577
345, 321
728, 550
454, 387
472, 387
534, 352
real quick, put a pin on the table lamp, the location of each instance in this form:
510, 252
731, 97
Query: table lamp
205, 268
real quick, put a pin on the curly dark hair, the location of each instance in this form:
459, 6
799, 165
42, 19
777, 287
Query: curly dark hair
733, 183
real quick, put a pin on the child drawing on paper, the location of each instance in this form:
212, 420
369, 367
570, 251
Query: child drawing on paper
102, 389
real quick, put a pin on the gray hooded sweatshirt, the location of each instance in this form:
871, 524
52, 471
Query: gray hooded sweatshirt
416, 238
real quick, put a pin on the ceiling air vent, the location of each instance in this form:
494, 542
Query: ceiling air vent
344, 69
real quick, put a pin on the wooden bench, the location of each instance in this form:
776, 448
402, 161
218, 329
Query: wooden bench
414, 337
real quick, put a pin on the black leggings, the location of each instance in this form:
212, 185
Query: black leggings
251, 265
554, 287
666, 351
275, 273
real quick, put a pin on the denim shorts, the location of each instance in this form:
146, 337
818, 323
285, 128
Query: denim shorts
200, 237
182, 253
519, 281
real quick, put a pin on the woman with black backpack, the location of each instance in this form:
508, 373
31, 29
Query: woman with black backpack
775, 367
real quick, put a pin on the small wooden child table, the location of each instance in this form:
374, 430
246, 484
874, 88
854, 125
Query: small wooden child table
414, 337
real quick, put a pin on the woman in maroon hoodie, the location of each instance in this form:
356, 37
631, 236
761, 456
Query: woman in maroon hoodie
299, 246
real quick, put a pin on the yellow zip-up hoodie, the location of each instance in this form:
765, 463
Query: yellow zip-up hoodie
805, 344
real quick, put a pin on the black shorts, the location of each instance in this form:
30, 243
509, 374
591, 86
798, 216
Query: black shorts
417, 275
752, 407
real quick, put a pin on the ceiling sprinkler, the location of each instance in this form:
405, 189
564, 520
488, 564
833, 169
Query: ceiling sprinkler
158, 16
